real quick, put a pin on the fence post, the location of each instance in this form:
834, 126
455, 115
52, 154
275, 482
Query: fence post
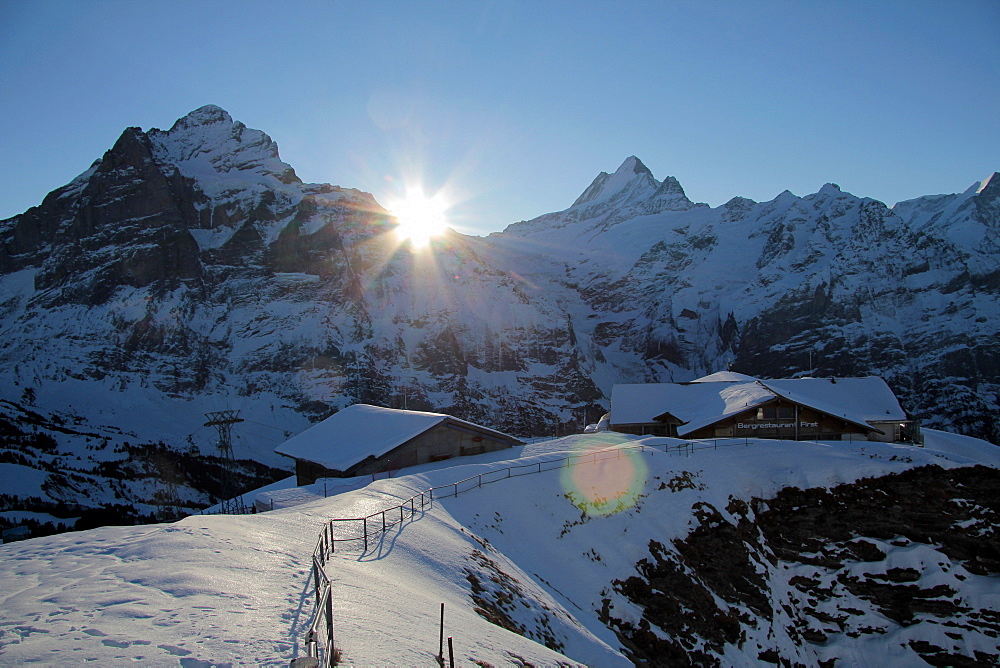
316, 578
333, 542
329, 626
365, 520
451, 654
441, 638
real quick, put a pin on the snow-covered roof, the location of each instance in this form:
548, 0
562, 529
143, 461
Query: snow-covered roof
731, 398
721, 395
688, 402
725, 377
859, 400
359, 431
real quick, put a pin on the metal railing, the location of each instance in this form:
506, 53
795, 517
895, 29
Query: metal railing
319, 638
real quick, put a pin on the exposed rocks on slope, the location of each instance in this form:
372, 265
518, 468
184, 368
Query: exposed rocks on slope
815, 569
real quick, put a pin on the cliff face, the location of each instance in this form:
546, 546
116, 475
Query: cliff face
190, 270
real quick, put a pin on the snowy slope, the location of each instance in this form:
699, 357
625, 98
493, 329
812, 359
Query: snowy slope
223, 589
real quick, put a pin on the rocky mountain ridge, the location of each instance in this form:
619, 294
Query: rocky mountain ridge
191, 270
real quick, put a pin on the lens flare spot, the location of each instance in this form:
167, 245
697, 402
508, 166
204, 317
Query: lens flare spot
605, 481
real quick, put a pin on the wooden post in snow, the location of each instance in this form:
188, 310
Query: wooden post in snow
441, 638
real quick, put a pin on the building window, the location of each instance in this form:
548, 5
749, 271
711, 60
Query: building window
776, 413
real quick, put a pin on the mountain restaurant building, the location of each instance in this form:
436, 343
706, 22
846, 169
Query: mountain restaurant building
732, 405
363, 440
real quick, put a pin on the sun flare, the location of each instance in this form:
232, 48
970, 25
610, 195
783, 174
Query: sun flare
420, 217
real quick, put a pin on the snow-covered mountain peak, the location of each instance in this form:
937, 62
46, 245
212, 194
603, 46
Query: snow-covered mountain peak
737, 208
670, 186
669, 196
209, 114
610, 199
208, 141
989, 186
631, 181
633, 165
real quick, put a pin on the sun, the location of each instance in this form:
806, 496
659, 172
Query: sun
420, 217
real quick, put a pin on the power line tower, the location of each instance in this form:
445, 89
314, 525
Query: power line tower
223, 421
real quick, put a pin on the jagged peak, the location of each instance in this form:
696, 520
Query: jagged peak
990, 185
210, 135
737, 208
739, 202
206, 115
131, 149
631, 174
670, 187
634, 165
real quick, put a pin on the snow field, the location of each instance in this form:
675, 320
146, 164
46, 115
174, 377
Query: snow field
211, 590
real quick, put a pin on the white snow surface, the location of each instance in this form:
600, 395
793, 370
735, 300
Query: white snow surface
217, 590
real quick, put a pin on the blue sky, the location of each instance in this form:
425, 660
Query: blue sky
514, 106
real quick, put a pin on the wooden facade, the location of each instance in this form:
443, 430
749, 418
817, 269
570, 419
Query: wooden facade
786, 420
663, 425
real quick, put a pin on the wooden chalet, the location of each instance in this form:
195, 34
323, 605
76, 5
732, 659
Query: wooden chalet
730, 405
363, 440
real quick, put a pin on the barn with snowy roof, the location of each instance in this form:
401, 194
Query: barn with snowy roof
363, 439
726, 404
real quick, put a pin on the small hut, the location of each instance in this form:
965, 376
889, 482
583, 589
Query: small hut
363, 440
